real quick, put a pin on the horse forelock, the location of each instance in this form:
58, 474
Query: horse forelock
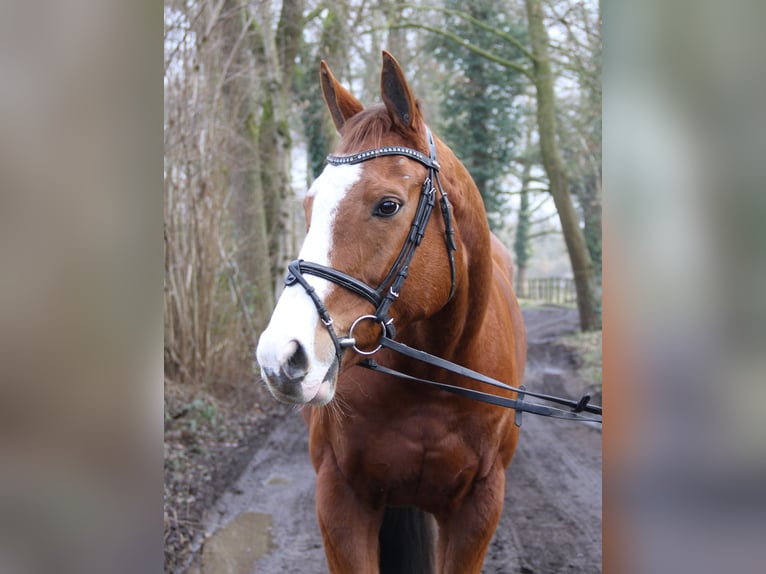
373, 127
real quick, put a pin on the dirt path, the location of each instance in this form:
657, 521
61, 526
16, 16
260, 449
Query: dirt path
552, 517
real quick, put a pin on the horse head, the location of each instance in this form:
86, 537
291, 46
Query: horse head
360, 215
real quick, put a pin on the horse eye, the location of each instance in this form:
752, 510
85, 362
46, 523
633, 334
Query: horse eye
387, 208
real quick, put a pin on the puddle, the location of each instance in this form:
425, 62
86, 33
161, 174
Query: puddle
234, 548
276, 479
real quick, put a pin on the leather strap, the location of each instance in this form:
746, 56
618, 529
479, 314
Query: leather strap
324, 315
299, 266
580, 405
350, 159
519, 405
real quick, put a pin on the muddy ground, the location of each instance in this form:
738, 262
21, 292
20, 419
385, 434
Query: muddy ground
551, 521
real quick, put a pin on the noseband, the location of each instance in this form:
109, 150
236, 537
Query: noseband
383, 296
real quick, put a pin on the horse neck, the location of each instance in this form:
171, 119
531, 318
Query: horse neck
451, 331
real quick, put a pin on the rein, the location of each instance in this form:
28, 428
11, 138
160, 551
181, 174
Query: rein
383, 296
518, 404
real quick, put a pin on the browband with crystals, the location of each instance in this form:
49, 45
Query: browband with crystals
382, 151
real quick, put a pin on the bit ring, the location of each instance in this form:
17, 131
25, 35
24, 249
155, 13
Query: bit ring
352, 341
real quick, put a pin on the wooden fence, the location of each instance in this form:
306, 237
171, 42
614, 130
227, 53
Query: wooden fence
560, 290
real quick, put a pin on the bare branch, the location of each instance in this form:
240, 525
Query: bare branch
540, 204
484, 26
544, 233
544, 218
475, 49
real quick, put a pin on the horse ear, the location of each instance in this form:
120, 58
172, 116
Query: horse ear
340, 102
396, 93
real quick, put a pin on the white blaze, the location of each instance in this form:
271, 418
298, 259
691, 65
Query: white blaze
295, 317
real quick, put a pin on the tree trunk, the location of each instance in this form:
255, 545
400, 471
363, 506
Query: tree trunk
521, 241
590, 201
397, 39
582, 266
275, 141
244, 167
261, 273
333, 46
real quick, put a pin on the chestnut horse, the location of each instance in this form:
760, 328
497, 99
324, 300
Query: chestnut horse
409, 478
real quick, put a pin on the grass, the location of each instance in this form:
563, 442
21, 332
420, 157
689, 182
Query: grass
587, 345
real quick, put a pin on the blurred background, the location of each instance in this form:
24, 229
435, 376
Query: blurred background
100, 270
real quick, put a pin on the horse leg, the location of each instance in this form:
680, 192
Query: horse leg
465, 533
349, 526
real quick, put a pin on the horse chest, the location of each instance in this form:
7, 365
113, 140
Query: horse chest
417, 461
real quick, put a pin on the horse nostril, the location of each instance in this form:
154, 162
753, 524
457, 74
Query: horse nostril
297, 364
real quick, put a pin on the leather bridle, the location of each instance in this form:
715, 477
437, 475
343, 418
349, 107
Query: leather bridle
383, 296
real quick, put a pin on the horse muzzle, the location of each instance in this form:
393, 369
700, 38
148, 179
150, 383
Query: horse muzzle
292, 378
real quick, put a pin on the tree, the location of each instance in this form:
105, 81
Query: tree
479, 120
278, 51
521, 242
236, 35
228, 90
542, 77
332, 46
582, 266
577, 55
